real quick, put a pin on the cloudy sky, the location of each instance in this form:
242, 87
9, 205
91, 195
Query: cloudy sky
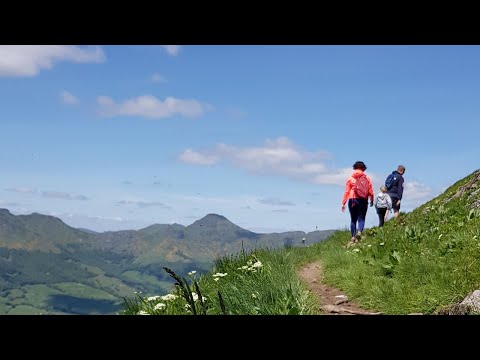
121, 137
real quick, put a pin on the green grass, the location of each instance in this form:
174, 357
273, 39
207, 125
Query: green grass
139, 278
38, 295
262, 283
111, 285
83, 291
4, 308
26, 310
15, 294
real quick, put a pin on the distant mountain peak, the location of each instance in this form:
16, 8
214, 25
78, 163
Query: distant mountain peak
212, 220
214, 217
5, 212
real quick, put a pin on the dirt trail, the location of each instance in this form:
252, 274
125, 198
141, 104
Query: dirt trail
332, 300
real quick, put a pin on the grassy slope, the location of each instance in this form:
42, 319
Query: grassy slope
426, 259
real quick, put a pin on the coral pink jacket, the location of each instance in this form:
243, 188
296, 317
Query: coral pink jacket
348, 194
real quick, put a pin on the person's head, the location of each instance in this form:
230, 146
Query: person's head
401, 169
383, 189
359, 165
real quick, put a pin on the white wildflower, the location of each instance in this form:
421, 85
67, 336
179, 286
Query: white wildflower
193, 272
220, 274
195, 296
187, 307
254, 296
153, 298
142, 312
369, 245
216, 279
355, 250
204, 298
169, 297
244, 267
382, 243
160, 306
440, 236
258, 264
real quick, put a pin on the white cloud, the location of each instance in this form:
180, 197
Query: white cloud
22, 190
150, 107
143, 204
63, 195
277, 157
192, 157
68, 98
416, 194
28, 60
414, 190
276, 202
157, 78
336, 177
48, 194
171, 49
7, 203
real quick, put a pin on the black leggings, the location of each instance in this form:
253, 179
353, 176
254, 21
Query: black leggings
358, 211
381, 216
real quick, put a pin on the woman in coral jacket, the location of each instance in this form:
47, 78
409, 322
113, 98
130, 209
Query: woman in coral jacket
357, 199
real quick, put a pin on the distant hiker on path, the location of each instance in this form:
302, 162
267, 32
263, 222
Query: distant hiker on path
394, 184
383, 205
358, 189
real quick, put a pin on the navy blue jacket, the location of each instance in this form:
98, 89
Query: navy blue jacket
397, 188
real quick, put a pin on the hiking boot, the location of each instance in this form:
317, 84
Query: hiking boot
358, 237
351, 242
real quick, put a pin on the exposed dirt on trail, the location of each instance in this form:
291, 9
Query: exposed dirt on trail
332, 300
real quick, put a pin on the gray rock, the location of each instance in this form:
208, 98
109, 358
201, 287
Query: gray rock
473, 300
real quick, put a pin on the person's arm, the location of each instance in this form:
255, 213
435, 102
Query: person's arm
375, 201
348, 187
400, 188
389, 203
370, 191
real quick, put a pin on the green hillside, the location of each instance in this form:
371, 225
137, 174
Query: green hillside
426, 261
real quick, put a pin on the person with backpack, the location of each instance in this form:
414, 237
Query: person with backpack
358, 189
394, 184
383, 205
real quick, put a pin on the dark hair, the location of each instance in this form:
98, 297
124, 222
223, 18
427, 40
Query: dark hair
360, 165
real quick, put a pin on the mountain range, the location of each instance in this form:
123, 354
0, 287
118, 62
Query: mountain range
49, 267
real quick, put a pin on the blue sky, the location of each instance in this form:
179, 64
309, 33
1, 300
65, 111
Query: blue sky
121, 137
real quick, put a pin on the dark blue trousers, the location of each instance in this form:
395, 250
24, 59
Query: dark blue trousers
358, 211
